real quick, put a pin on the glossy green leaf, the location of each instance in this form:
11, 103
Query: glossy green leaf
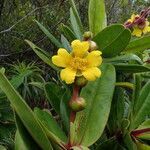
131, 68
75, 25
112, 40
54, 94
142, 106
42, 54
50, 123
2, 147
139, 45
68, 33
124, 58
98, 94
25, 113
79, 148
49, 35
97, 16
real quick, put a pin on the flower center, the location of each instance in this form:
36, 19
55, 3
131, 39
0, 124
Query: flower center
78, 63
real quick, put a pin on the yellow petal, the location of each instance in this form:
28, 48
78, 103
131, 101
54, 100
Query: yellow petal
146, 29
68, 75
94, 59
79, 48
92, 73
62, 59
132, 17
137, 32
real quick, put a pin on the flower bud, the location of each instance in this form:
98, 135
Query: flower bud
87, 35
93, 46
81, 81
78, 104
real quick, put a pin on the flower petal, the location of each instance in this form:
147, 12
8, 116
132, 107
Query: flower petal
68, 75
146, 29
62, 59
92, 73
137, 32
94, 59
79, 48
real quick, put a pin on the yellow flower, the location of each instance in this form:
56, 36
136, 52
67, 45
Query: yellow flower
139, 31
139, 28
79, 62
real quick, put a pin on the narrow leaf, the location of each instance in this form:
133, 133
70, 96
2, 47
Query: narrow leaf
42, 54
75, 25
49, 35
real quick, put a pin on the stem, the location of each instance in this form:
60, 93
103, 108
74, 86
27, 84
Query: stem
75, 95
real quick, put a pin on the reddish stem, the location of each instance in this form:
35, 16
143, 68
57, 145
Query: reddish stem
75, 95
136, 133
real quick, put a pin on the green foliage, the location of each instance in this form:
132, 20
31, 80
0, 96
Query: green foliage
112, 40
97, 16
98, 96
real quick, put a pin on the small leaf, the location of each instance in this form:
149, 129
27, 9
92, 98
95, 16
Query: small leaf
97, 16
112, 40
49, 35
139, 45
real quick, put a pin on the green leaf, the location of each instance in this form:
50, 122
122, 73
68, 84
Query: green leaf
75, 25
110, 144
142, 106
25, 113
98, 95
138, 45
124, 58
23, 138
65, 43
49, 122
112, 40
76, 15
54, 94
97, 16
68, 33
49, 35
2, 147
131, 68
145, 124
65, 109
19, 143
42, 54
79, 148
